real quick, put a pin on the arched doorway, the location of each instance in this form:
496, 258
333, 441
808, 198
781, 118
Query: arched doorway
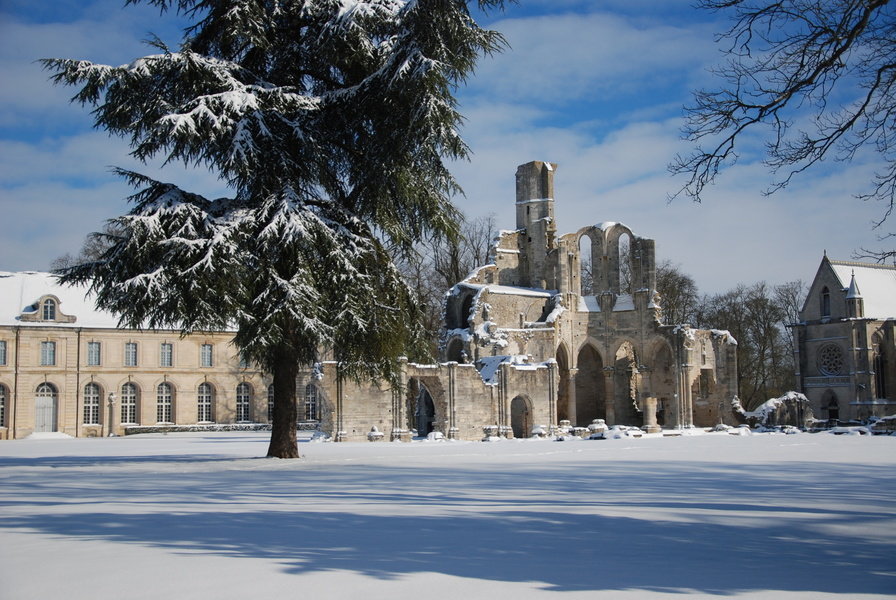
425, 412
590, 401
455, 351
46, 404
662, 381
627, 385
562, 383
831, 405
520, 417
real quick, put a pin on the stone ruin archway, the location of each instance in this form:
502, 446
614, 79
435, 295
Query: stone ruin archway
562, 384
627, 385
830, 407
455, 351
426, 405
521, 417
662, 383
589, 382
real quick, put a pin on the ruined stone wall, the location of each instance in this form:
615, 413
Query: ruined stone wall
464, 403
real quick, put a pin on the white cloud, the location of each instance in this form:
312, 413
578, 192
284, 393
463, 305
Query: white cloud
597, 90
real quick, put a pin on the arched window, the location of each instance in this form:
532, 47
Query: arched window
311, 402
92, 396
129, 403
825, 302
626, 285
243, 395
270, 403
880, 369
586, 269
204, 398
4, 394
164, 403
49, 310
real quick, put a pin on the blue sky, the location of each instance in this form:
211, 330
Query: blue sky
596, 87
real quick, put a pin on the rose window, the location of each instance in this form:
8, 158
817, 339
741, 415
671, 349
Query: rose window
830, 359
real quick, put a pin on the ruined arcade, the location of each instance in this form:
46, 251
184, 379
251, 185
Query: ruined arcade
614, 359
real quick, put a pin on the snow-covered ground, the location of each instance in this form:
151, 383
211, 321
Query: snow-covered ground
205, 516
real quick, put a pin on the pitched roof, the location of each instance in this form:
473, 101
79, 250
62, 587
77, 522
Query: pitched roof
877, 282
20, 291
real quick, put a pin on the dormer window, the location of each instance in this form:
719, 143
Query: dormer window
49, 313
46, 309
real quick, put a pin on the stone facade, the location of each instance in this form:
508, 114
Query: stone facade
61, 361
525, 349
614, 359
844, 342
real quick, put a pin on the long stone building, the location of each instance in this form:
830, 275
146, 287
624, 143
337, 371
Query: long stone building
532, 341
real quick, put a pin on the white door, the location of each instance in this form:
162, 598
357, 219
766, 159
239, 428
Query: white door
45, 405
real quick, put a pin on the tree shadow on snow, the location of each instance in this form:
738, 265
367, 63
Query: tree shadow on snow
712, 533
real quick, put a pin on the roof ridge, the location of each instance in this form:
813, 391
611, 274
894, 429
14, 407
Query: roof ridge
849, 263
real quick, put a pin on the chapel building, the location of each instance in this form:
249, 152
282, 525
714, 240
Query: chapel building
844, 343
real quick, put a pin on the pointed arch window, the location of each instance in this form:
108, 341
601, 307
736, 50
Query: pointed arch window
825, 302
879, 363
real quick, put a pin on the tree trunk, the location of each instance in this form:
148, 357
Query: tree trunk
283, 432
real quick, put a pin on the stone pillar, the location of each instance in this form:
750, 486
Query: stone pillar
649, 409
610, 394
571, 396
450, 419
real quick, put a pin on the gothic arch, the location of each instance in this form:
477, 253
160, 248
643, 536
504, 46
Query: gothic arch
563, 383
589, 386
427, 409
830, 406
456, 350
627, 382
662, 381
521, 416
880, 360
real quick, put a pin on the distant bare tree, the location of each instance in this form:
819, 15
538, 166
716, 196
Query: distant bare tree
678, 293
790, 297
817, 75
753, 315
91, 250
454, 259
439, 265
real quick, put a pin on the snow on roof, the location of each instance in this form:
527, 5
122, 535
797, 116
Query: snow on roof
488, 366
20, 291
876, 282
509, 290
589, 304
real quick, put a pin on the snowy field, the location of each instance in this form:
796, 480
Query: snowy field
205, 516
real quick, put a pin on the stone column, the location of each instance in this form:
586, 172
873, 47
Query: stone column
610, 394
571, 396
649, 409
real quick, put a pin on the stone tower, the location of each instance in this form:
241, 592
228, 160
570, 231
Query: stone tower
535, 222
